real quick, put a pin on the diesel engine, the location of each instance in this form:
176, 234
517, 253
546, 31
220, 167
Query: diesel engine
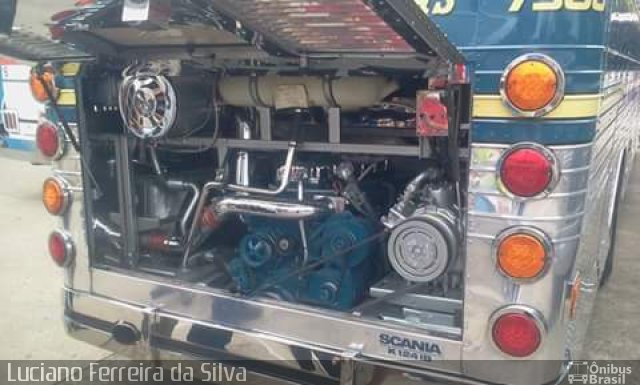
295, 188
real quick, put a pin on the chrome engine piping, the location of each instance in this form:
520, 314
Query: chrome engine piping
242, 160
154, 161
271, 208
180, 185
303, 232
98, 224
115, 237
219, 185
286, 177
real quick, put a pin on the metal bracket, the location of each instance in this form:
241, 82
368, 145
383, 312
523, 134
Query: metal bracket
335, 128
264, 115
348, 365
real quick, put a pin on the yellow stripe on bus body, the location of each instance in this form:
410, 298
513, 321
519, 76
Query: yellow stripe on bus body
70, 69
572, 106
67, 98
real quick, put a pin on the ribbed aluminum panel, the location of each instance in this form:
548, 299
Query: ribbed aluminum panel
324, 25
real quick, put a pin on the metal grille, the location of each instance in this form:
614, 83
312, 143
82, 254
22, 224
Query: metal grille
11, 121
32, 47
323, 25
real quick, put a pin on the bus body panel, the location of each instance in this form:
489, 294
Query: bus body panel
589, 137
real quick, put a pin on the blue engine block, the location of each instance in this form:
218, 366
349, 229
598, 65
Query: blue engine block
345, 260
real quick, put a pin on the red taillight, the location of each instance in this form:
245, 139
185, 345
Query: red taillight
527, 171
49, 140
56, 32
517, 333
63, 15
61, 248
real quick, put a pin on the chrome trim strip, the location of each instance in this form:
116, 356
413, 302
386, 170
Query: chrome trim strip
554, 148
65, 172
528, 219
531, 46
555, 241
614, 52
496, 169
574, 72
550, 196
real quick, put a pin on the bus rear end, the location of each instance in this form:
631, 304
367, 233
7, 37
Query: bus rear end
586, 129
338, 192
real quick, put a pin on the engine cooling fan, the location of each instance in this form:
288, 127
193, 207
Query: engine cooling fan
148, 104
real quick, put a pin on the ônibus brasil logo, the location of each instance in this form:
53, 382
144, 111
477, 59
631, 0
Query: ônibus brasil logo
594, 373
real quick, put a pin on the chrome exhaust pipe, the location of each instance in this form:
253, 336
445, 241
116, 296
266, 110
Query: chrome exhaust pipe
271, 208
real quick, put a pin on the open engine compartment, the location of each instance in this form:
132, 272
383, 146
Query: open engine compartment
328, 183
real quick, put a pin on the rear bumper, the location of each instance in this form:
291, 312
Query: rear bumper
165, 337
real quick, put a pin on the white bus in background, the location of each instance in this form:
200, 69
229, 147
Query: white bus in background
19, 113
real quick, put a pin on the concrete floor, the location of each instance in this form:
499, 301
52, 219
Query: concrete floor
613, 333
32, 300
32, 313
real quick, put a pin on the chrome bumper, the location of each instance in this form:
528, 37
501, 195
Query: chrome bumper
165, 337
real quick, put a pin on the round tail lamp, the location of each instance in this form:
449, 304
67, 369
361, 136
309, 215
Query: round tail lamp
523, 253
56, 196
517, 331
61, 248
50, 140
528, 170
533, 85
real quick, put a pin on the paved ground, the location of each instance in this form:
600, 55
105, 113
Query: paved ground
32, 313
31, 284
31, 13
614, 332
31, 317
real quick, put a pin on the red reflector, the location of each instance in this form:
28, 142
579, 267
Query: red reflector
526, 172
56, 32
63, 15
517, 334
60, 248
48, 140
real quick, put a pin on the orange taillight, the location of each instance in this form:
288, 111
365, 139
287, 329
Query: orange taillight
55, 196
522, 255
533, 85
37, 82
